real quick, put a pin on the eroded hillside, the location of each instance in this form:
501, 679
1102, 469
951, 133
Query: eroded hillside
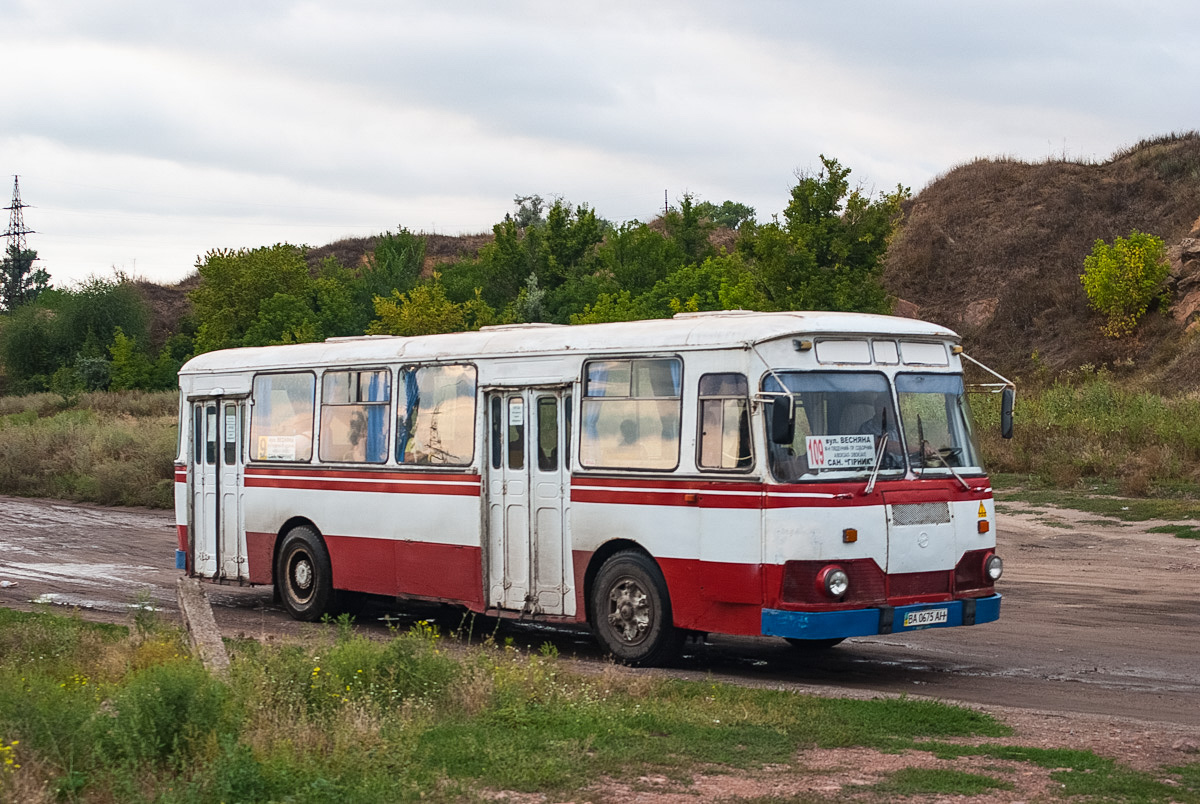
994, 249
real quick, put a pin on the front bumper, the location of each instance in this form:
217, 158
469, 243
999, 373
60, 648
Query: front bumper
884, 620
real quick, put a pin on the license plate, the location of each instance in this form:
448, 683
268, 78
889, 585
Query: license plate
916, 619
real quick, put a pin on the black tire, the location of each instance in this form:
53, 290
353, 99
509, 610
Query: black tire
631, 611
303, 575
814, 644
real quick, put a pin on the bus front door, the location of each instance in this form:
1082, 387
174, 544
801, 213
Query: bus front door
527, 479
217, 544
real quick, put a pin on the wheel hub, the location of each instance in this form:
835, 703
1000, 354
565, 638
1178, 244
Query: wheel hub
302, 575
629, 611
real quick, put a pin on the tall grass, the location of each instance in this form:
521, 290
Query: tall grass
1086, 426
91, 715
108, 448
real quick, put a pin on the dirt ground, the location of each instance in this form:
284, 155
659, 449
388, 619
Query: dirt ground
1096, 647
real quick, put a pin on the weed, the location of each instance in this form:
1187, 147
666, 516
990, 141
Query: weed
1181, 531
1082, 773
938, 781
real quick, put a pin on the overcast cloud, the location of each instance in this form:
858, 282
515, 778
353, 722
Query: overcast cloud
147, 133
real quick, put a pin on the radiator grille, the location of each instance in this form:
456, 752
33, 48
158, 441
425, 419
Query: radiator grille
927, 513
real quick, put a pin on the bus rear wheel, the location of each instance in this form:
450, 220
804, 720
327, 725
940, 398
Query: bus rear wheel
631, 611
304, 575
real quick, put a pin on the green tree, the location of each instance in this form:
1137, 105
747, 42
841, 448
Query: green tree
1124, 279
827, 254
394, 265
130, 366
426, 310
690, 229
19, 282
637, 256
729, 214
238, 286
619, 306
66, 330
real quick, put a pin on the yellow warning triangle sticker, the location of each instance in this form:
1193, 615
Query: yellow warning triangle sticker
982, 510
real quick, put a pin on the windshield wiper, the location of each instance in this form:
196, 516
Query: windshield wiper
937, 454
883, 442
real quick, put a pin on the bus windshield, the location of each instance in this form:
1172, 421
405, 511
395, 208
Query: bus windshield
937, 423
841, 418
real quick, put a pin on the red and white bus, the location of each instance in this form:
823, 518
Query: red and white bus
811, 476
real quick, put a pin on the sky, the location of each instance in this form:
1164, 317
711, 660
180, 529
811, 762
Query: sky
147, 133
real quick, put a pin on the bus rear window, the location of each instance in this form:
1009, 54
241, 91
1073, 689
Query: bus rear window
281, 426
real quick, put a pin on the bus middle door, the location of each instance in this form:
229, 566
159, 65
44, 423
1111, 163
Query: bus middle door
527, 477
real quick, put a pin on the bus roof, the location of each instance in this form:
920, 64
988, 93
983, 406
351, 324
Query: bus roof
686, 331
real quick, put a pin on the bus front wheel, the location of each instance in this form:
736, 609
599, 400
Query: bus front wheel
631, 611
304, 575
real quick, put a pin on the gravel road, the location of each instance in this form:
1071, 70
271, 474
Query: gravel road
1100, 618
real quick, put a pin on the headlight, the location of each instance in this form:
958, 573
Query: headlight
993, 567
833, 581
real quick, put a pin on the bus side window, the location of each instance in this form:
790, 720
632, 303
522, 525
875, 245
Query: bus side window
630, 413
354, 416
281, 426
435, 415
724, 441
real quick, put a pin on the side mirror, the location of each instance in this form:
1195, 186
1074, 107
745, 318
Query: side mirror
1006, 412
783, 420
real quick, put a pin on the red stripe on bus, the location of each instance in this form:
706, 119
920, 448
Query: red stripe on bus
694, 484
318, 484
743, 495
678, 498
377, 474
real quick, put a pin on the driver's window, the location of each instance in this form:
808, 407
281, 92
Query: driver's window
724, 420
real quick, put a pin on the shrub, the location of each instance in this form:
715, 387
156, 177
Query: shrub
1122, 280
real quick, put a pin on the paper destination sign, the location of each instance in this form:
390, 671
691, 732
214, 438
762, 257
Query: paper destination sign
841, 451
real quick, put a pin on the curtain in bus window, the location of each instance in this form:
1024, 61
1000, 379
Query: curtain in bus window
631, 412
596, 386
406, 413
281, 426
436, 422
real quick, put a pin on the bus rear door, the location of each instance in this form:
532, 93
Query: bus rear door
217, 544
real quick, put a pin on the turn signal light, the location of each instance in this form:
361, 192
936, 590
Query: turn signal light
850, 535
984, 526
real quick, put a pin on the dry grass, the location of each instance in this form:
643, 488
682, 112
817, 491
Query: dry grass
112, 448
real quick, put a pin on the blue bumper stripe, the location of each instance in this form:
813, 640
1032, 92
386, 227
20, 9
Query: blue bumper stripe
865, 622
